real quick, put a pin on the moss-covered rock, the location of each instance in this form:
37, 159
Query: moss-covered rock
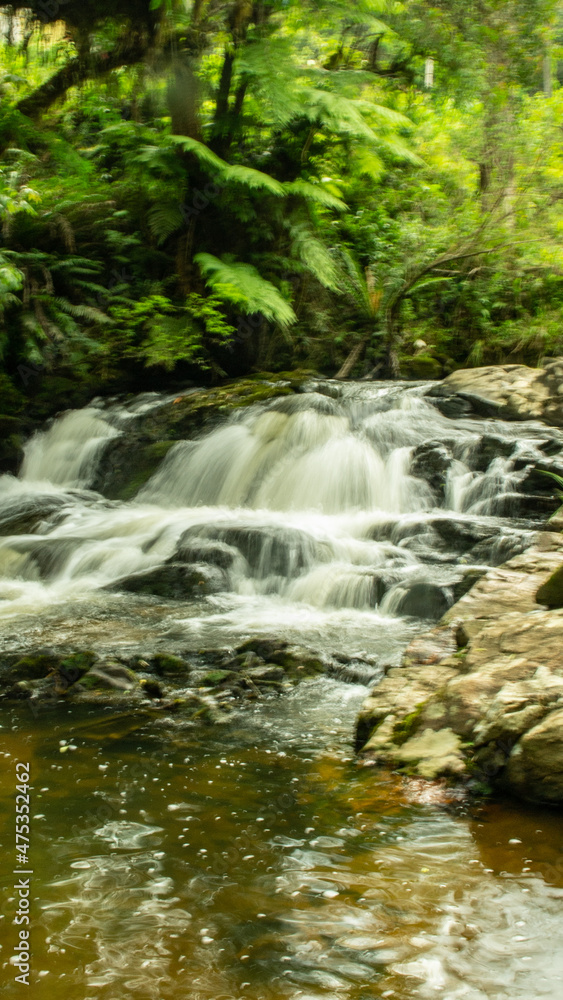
421, 366
32, 667
216, 678
168, 665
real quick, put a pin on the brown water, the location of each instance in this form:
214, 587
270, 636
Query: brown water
258, 861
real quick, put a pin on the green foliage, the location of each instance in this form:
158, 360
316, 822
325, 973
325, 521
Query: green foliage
283, 161
241, 286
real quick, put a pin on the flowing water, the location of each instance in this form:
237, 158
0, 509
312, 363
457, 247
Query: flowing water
255, 859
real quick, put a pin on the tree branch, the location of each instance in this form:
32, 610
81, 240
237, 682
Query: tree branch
76, 72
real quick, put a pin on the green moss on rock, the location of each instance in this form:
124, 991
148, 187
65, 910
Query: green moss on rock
406, 727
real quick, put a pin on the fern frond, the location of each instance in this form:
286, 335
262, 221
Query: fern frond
204, 154
253, 179
315, 257
243, 287
314, 193
164, 220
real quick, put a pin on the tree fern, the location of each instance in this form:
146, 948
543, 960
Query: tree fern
244, 288
315, 193
315, 257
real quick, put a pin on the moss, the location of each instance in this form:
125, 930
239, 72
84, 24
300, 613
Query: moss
34, 667
299, 665
73, 667
403, 730
168, 665
90, 682
216, 677
146, 461
461, 653
422, 366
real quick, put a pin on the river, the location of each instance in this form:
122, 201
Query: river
256, 860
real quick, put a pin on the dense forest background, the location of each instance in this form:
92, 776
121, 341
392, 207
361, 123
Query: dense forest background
194, 190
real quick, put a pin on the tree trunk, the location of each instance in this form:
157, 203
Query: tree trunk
353, 357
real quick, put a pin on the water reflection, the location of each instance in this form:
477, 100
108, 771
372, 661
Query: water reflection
257, 861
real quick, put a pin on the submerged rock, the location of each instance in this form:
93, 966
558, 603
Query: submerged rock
481, 696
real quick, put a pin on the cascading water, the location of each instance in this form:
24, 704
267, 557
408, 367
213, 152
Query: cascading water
309, 513
253, 861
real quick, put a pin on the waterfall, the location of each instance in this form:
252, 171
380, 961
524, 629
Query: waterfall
67, 454
341, 512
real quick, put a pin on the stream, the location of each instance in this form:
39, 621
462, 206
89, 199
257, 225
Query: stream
255, 860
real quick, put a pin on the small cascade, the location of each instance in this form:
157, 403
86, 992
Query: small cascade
329, 514
67, 454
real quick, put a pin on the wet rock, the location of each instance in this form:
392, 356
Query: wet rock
217, 678
487, 449
41, 558
172, 581
468, 580
247, 660
11, 451
521, 505
494, 551
151, 688
267, 672
269, 551
536, 763
22, 514
129, 461
432, 461
192, 549
31, 667
110, 674
537, 478
490, 708
299, 662
424, 600
460, 535
262, 647
168, 665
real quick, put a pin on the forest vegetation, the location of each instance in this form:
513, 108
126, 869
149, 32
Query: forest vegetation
195, 189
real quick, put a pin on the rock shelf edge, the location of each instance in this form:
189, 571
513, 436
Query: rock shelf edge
479, 698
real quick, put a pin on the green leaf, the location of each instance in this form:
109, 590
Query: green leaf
242, 286
315, 193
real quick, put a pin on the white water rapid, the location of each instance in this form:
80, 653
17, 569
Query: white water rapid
341, 515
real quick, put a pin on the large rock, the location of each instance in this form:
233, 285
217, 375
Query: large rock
509, 392
481, 696
172, 581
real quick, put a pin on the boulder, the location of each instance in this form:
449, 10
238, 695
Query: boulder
481, 696
508, 392
129, 461
423, 600
20, 514
172, 581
